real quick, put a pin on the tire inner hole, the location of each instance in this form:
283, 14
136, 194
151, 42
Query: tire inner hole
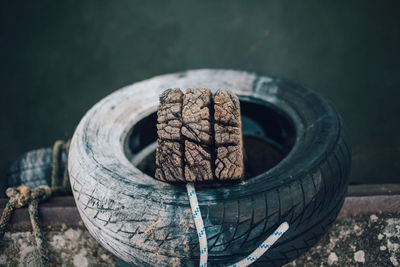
268, 136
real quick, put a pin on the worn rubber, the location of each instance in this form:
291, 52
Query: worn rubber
34, 168
147, 222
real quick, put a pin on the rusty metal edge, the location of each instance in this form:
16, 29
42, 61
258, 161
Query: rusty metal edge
363, 205
61, 211
373, 190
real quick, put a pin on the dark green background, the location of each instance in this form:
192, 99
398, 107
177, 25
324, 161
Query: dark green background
58, 58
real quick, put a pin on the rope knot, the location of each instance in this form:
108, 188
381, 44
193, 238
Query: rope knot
23, 195
19, 196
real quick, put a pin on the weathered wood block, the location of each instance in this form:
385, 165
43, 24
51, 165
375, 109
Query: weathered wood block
199, 136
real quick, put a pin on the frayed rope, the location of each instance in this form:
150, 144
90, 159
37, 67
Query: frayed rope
23, 196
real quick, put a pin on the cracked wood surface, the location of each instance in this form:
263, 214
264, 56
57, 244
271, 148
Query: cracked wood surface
169, 153
228, 136
199, 136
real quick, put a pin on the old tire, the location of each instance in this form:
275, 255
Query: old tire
34, 168
147, 222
